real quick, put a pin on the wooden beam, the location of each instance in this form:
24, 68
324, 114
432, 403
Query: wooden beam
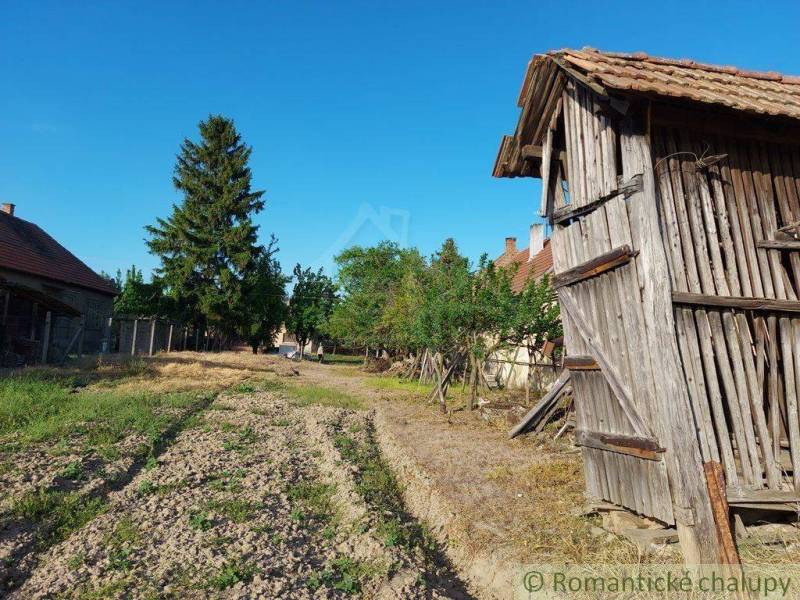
586, 331
534, 152
135, 332
567, 213
152, 335
737, 302
592, 268
529, 419
738, 496
640, 447
46, 336
787, 245
581, 363
715, 480
670, 408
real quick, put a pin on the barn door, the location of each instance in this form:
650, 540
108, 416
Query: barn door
598, 290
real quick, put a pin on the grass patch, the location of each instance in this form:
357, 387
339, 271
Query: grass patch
57, 514
200, 520
343, 359
343, 574
230, 574
308, 394
380, 382
73, 471
376, 483
237, 510
40, 407
227, 481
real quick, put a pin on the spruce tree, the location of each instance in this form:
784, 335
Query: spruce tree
208, 245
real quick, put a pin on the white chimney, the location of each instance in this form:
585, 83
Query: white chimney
537, 239
7, 208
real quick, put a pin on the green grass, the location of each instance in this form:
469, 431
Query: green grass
237, 510
40, 408
57, 514
343, 574
344, 359
380, 382
200, 520
376, 483
308, 394
230, 574
312, 501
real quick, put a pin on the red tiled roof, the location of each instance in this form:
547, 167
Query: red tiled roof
755, 91
534, 268
26, 248
620, 75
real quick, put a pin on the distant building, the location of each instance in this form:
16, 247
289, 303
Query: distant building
52, 303
509, 367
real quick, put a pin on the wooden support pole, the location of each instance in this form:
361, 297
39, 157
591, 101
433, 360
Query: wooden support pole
34, 316
6, 302
133, 337
196, 340
153, 322
169, 338
106, 345
673, 419
82, 330
46, 336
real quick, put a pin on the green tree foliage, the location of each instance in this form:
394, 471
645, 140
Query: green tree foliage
208, 245
138, 298
264, 301
311, 304
536, 319
395, 299
370, 279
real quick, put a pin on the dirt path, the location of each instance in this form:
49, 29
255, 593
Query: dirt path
489, 500
261, 498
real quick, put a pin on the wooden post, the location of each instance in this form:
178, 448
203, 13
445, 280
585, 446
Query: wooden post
46, 337
152, 335
673, 420
185, 337
106, 346
169, 338
34, 315
196, 340
82, 329
5, 306
135, 332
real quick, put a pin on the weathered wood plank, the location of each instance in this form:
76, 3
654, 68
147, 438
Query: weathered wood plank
594, 267
768, 305
581, 363
640, 447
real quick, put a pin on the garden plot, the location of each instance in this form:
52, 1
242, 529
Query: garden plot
264, 494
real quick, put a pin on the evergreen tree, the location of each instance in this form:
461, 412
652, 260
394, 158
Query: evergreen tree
265, 301
137, 298
208, 245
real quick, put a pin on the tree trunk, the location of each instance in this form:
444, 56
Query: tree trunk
473, 392
438, 368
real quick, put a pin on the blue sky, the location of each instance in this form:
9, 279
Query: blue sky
367, 119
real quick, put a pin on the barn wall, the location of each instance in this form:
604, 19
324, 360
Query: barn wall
95, 306
719, 198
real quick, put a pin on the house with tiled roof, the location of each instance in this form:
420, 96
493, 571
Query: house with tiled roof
52, 303
509, 367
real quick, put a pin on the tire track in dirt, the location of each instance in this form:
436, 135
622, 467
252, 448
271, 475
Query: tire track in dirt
23, 541
258, 500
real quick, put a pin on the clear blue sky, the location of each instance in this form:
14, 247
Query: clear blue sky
367, 119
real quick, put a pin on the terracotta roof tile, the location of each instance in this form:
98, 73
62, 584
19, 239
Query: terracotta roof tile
27, 248
540, 264
763, 92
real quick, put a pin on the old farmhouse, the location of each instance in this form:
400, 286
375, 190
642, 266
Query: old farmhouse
52, 303
673, 189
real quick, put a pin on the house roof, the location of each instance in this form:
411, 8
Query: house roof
26, 248
614, 73
529, 268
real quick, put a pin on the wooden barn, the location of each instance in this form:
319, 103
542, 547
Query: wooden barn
52, 304
673, 190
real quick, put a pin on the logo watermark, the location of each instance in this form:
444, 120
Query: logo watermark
658, 581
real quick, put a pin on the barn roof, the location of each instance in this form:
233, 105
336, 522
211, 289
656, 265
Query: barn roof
528, 268
619, 74
26, 248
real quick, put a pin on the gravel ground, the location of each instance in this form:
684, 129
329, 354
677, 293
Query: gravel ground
255, 500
